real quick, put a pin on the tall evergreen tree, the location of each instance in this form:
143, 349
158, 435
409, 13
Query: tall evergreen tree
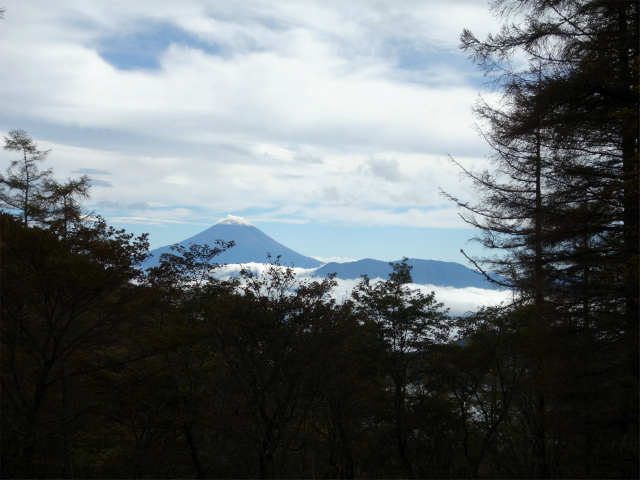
561, 207
34, 194
22, 187
576, 104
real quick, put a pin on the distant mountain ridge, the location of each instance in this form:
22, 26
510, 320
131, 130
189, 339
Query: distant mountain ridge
253, 246
431, 272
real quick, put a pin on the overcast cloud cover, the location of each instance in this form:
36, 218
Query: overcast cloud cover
327, 124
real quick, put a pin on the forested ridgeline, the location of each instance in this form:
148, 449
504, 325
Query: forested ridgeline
109, 371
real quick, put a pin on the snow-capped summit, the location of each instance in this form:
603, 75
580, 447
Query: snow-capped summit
251, 245
233, 220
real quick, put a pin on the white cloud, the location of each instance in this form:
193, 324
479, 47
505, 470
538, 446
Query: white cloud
334, 259
300, 89
459, 301
334, 191
384, 169
118, 205
100, 183
334, 112
234, 220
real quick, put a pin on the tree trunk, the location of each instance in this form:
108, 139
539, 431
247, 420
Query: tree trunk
188, 432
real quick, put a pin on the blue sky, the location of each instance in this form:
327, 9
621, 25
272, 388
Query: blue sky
327, 124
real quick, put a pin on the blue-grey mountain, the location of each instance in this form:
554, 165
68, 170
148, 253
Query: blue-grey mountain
432, 272
253, 246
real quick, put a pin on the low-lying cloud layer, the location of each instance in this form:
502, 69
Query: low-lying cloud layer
459, 301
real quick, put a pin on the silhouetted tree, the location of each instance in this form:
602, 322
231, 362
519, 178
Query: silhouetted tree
33, 194
65, 306
560, 207
407, 322
23, 186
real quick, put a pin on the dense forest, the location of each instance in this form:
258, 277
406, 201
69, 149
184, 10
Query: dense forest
109, 371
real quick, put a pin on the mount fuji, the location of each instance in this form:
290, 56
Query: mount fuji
253, 246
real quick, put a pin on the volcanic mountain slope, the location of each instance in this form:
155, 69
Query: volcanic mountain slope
251, 245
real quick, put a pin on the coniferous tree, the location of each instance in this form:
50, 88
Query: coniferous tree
582, 78
34, 194
562, 204
22, 188
63, 202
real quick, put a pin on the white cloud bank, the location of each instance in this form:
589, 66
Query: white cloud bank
459, 301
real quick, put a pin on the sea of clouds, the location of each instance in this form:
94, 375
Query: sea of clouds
459, 301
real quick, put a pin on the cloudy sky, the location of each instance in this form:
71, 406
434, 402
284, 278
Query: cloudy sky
327, 124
